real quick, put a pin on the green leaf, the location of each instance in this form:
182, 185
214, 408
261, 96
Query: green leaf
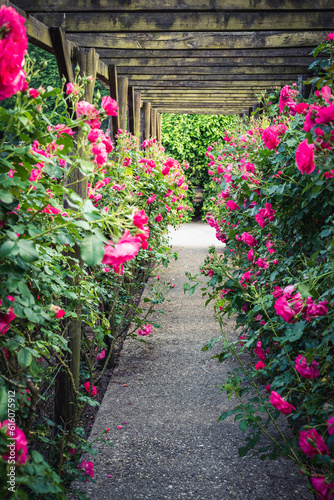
31, 315
3, 404
86, 167
6, 248
37, 457
82, 223
92, 250
24, 357
6, 196
28, 250
243, 451
53, 171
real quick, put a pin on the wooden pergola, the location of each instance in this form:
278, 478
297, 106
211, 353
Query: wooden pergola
180, 56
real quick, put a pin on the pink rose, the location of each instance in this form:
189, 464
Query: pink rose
109, 105
330, 424
87, 387
100, 153
248, 239
158, 218
312, 443
87, 467
33, 93
87, 110
319, 483
288, 309
305, 157
325, 115
140, 219
309, 371
146, 330
5, 319
270, 137
278, 402
232, 205
151, 199
259, 351
126, 249
260, 365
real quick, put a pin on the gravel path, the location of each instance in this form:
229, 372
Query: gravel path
166, 390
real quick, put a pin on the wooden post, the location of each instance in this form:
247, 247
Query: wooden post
113, 120
65, 407
159, 123
147, 120
123, 84
131, 106
250, 110
137, 104
153, 123
63, 58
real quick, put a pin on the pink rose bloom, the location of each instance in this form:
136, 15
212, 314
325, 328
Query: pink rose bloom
260, 220
88, 469
330, 424
100, 153
248, 239
313, 310
286, 99
109, 105
325, 115
101, 355
310, 117
126, 249
270, 137
158, 218
262, 263
324, 490
87, 387
309, 371
260, 365
250, 255
278, 402
143, 235
268, 388
21, 442
140, 219
85, 109
312, 443
5, 319
13, 46
60, 314
288, 309
301, 108
33, 93
146, 330
259, 351
151, 199
94, 134
305, 157
232, 205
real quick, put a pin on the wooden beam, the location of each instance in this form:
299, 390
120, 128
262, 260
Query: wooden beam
123, 84
286, 52
97, 22
211, 70
153, 122
113, 87
199, 111
274, 78
131, 99
88, 61
167, 61
63, 53
147, 120
201, 40
159, 123
137, 105
166, 5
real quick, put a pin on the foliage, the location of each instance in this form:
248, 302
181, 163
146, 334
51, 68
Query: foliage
71, 251
187, 137
273, 207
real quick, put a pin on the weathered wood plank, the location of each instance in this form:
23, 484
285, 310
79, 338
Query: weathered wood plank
208, 61
233, 85
113, 88
63, 53
96, 22
201, 40
137, 105
286, 52
215, 77
147, 120
153, 122
131, 120
204, 101
211, 70
193, 5
147, 94
200, 111
123, 83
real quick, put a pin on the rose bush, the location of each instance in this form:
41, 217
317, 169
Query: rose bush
83, 223
272, 203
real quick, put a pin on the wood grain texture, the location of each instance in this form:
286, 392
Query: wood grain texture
211, 70
97, 22
158, 5
200, 40
275, 78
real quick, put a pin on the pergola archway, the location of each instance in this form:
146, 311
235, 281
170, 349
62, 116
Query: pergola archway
188, 56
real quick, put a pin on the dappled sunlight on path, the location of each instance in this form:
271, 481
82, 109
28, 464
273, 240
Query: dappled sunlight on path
166, 390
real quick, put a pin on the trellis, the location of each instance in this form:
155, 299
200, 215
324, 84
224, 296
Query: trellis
183, 56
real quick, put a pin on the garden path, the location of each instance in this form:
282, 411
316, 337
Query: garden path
166, 390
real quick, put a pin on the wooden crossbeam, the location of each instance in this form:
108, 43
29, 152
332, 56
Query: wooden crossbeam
201, 40
158, 5
200, 111
211, 70
213, 78
98, 22
167, 61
